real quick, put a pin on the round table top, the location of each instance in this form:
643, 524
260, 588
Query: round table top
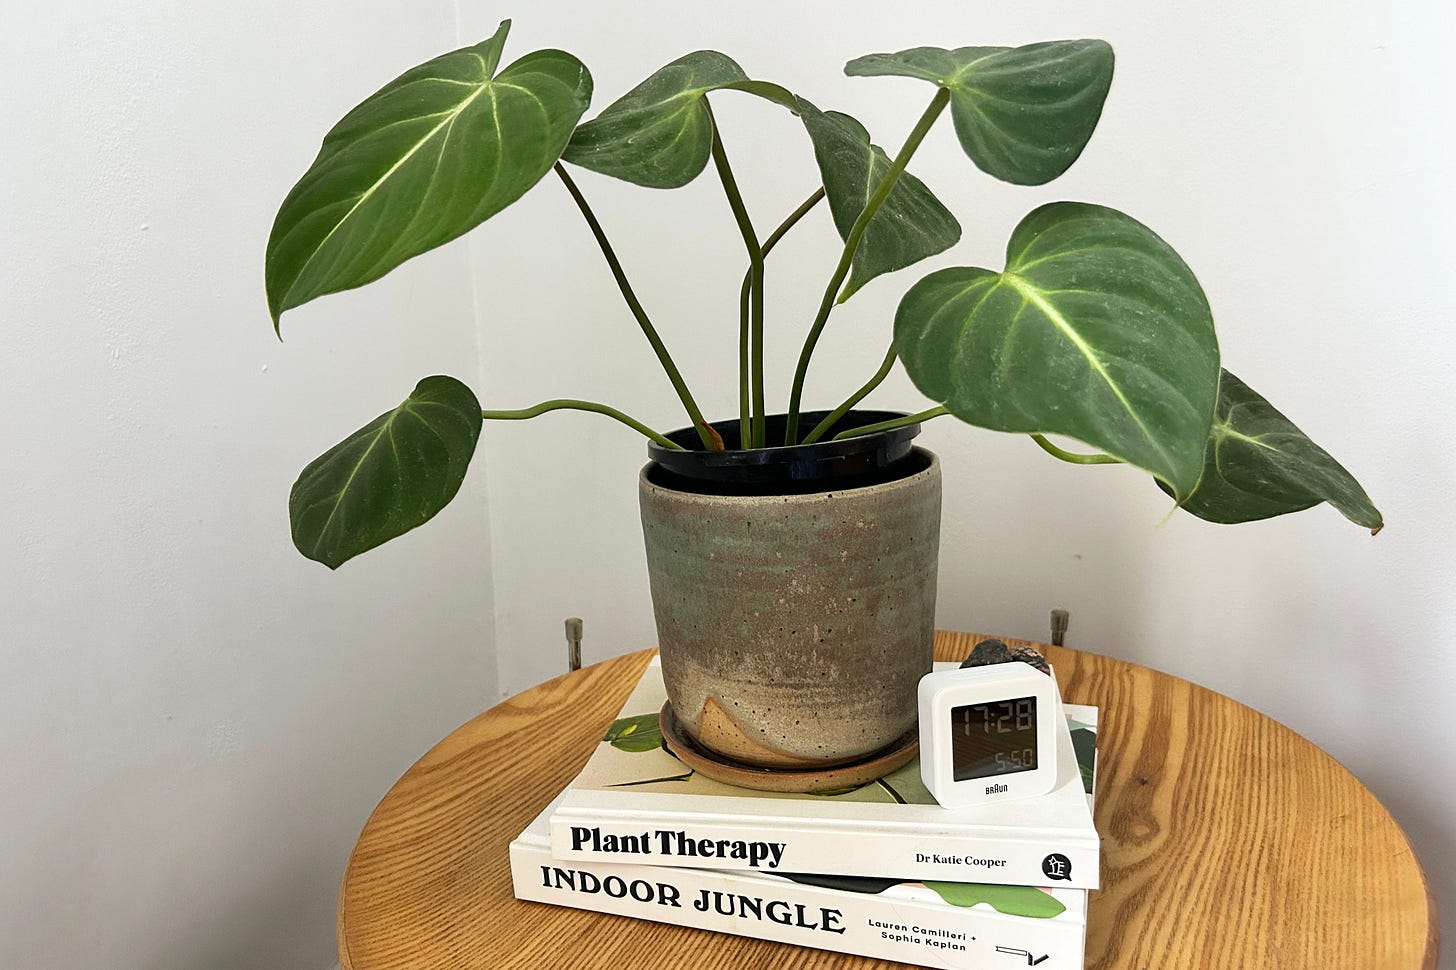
1228, 841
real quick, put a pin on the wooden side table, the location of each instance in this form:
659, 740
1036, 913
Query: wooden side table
1228, 842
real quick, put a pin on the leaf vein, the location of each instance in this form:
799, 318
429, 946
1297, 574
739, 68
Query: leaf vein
353, 473
1093, 360
369, 192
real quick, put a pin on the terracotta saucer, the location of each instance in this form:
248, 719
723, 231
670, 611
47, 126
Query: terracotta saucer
842, 776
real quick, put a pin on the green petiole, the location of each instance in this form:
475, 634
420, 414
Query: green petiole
744, 342
851, 246
571, 404
1073, 457
893, 423
709, 438
885, 367
755, 273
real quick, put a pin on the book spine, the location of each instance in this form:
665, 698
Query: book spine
577, 837
787, 912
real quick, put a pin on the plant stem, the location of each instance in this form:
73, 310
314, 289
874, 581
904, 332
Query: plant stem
745, 350
571, 404
851, 245
859, 395
893, 423
793, 219
755, 273
1072, 456
635, 306
743, 333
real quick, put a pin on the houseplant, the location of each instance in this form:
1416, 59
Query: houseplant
1095, 330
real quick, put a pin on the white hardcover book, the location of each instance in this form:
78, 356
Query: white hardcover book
634, 802
934, 924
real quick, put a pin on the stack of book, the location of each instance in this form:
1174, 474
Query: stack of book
881, 870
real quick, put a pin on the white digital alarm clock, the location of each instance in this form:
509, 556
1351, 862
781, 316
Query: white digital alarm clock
988, 734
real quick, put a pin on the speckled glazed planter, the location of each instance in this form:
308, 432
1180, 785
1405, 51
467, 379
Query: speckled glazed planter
795, 628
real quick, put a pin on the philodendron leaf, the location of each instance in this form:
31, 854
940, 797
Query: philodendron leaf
659, 134
911, 225
1096, 330
1258, 465
429, 156
1023, 114
386, 478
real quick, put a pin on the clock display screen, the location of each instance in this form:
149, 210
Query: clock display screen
995, 738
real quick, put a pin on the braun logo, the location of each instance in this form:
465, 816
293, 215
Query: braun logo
996, 789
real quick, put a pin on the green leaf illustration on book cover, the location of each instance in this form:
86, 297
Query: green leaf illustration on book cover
1011, 900
640, 733
1025, 901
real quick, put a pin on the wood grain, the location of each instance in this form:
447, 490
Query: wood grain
1228, 842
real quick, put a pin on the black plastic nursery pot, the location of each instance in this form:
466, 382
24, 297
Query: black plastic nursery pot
825, 465
794, 594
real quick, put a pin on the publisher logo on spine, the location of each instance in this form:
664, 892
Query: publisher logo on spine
1056, 866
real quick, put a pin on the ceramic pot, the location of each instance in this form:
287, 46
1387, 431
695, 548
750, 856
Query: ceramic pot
795, 623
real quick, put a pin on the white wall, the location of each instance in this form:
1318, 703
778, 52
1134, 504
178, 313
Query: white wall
194, 720
1298, 156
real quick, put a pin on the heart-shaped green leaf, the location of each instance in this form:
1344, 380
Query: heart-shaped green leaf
1259, 465
1096, 330
1023, 114
386, 478
659, 134
911, 225
429, 156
